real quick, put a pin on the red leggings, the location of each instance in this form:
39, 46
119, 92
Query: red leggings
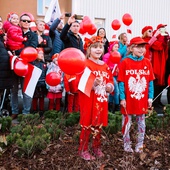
35, 104
85, 136
73, 103
55, 102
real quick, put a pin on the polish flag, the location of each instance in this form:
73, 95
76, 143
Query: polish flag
86, 81
31, 80
53, 12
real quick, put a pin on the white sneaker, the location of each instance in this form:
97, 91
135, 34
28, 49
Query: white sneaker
139, 148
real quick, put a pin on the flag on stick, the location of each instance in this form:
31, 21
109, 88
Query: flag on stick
53, 12
86, 81
31, 80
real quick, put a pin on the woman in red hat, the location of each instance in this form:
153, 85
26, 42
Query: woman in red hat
94, 108
136, 91
147, 35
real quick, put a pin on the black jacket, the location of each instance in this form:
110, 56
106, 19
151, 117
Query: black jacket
5, 70
70, 40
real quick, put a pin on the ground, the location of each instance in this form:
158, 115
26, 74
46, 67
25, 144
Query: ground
62, 154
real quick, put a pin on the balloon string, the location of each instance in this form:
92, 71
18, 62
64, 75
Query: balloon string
160, 93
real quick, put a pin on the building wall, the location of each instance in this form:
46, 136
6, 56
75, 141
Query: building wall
143, 12
20, 6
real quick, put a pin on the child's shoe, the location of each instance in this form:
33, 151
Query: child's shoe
98, 152
128, 148
139, 148
86, 156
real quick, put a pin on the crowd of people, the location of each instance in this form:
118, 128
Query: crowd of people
130, 86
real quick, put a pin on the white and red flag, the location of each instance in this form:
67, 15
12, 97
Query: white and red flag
53, 12
31, 80
126, 124
86, 81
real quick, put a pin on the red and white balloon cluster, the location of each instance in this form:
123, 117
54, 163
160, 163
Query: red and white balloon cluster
86, 26
27, 55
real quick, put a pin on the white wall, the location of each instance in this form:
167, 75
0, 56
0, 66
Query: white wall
143, 12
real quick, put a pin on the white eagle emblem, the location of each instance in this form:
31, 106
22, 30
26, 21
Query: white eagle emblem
100, 90
137, 86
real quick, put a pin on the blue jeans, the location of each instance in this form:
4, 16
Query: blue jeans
115, 97
27, 101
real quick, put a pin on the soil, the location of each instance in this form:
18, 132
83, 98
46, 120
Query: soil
62, 154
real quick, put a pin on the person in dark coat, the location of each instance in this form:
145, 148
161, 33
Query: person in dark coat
70, 34
6, 79
54, 33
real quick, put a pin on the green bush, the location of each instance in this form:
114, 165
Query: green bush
5, 124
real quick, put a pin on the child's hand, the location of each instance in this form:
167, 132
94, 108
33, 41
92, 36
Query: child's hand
98, 81
123, 103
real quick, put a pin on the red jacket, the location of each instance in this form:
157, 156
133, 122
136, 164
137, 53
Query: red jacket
14, 36
159, 51
71, 83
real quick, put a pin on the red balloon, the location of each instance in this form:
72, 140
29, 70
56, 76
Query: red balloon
116, 24
92, 30
71, 61
127, 19
87, 23
115, 57
53, 79
21, 67
169, 80
82, 31
29, 54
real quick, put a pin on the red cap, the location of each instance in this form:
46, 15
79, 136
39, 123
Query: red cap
146, 28
137, 40
161, 25
55, 56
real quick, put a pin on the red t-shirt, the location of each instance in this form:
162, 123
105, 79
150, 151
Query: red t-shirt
136, 76
94, 109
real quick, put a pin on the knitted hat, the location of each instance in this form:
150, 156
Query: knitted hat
146, 28
161, 25
111, 44
10, 15
137, 40
55, 56
92, 40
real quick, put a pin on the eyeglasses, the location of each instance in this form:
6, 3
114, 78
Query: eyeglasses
26, 21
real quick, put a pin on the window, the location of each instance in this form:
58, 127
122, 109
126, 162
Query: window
42, 6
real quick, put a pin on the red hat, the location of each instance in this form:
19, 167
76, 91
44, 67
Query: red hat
161, 25
146, 28
55, 56
137, 40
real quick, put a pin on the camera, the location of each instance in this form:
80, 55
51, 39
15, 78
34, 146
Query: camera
67, 14
79, 17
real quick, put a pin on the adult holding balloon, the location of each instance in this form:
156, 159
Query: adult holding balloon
31, 41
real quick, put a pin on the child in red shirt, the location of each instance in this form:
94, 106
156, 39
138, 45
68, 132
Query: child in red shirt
136, 91
94, 109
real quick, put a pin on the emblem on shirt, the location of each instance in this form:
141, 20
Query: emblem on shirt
137, 86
